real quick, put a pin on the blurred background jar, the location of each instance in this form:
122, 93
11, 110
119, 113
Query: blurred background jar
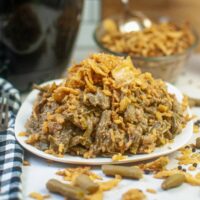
36, 39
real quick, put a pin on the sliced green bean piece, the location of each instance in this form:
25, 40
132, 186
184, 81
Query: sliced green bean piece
198, 143
84, 182
173, 181
124, 171
65, 190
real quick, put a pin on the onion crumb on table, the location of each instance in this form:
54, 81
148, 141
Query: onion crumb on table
21, 134
103, 186
150, 190
26, 163
134, 194
195, 129
69, 174
156, 165
191, 168
188, 156
38, 196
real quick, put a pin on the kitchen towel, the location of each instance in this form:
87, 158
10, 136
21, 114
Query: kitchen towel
11, 153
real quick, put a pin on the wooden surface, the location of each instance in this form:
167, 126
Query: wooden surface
177, 10
182, 9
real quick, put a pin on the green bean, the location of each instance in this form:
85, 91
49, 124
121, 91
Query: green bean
193, 102
173, 181
198, 143
124, 171
65, 190
85, 183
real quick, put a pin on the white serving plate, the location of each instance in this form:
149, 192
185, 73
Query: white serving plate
25, 112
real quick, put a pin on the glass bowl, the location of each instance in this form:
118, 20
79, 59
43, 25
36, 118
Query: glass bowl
165, 67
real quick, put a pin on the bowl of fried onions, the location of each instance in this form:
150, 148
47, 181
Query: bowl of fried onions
162, 49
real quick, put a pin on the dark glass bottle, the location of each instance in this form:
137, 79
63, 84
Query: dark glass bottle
36, 39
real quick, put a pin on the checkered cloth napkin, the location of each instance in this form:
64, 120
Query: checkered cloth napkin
11, 153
